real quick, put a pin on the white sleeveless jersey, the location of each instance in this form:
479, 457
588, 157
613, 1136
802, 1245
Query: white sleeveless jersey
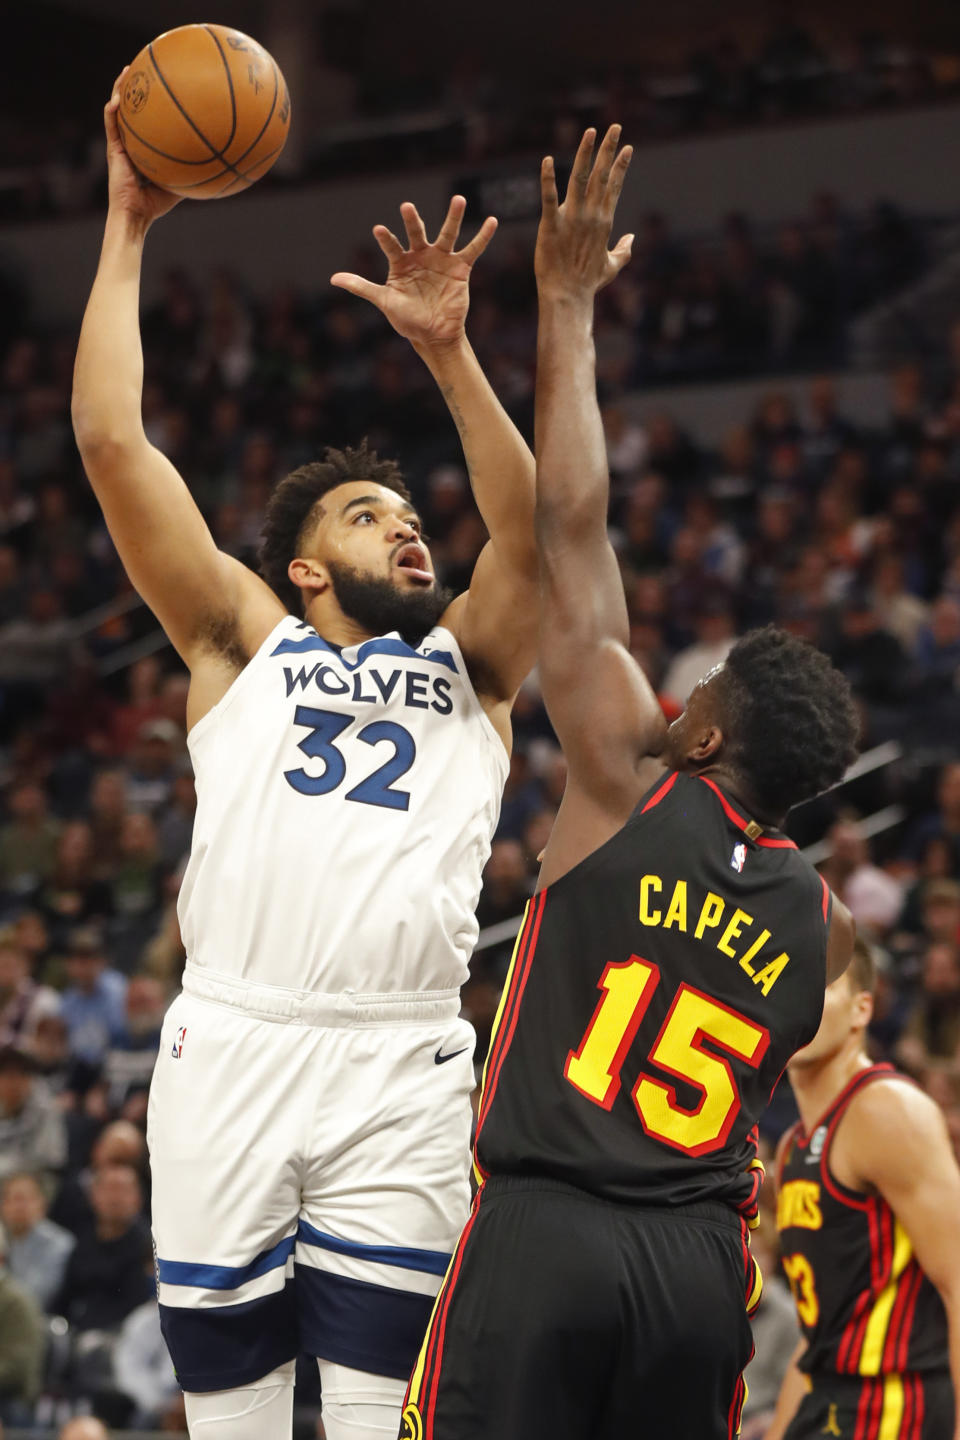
346, 801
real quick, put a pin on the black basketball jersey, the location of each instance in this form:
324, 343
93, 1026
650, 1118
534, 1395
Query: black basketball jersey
655, 995
865, 1305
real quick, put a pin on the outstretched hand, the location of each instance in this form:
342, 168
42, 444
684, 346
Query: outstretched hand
572, 258
427, 291
128, 189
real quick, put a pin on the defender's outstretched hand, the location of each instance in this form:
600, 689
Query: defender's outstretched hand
129, 191
572, 258
427, 291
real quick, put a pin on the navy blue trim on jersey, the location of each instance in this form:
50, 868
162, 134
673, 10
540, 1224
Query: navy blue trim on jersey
381, 646
367, 1327
227, 1346
431, 1262
224, 1277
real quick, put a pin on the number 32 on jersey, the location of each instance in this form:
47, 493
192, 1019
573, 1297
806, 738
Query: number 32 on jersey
679, 1050
325, 727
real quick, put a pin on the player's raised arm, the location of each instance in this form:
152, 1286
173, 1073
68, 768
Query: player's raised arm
426, 298
898, 1144
609, 722
162, 539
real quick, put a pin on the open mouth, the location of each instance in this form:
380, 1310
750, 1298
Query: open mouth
413, 559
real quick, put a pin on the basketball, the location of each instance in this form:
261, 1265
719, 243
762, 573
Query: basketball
204, 111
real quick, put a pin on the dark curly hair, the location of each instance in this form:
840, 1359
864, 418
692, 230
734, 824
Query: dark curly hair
293, 505
791, 721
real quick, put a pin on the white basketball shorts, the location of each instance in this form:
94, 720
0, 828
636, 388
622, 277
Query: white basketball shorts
310, 1164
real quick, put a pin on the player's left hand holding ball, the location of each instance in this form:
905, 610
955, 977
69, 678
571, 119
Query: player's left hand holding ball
129, 193
427, 291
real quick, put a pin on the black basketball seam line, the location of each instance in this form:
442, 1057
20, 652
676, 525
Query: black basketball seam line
262, 161
233, 97
247, 173
125, 124
244, 174
214, 152
276, 90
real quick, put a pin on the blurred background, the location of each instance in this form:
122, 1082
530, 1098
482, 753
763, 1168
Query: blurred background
779, 371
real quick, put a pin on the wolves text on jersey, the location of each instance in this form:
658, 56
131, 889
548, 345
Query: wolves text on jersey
416, 689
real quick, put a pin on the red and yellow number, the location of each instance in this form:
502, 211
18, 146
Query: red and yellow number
595, 1068
799, 1272
679, 1050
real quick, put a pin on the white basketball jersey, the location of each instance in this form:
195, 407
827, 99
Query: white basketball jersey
346, 802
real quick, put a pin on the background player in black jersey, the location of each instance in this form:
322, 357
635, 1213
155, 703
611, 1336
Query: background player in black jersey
869, 1218
600, 1288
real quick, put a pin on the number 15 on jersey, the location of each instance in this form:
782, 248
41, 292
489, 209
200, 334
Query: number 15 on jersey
594, 1068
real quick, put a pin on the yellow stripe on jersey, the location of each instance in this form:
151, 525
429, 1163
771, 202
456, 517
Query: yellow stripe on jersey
756, 1164
875, 1334
416, 1380
891, 1416
504, 995
753, 1299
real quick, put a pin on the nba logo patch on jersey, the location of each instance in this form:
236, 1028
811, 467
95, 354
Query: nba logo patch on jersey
739, 858
178, 1042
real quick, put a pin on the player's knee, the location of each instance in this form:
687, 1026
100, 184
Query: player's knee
358, 1406
261, 1410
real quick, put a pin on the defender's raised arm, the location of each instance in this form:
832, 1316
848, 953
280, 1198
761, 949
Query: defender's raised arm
163, 541
606, 728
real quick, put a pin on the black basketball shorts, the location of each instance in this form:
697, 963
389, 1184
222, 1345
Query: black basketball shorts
565, 1317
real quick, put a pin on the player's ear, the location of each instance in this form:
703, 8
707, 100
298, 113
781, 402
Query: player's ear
863, 1008
309, 575
708, 740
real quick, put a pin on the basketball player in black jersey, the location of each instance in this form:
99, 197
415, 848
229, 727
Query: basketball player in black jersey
673, 959
868, 1209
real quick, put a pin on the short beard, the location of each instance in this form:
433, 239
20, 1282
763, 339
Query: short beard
380, 606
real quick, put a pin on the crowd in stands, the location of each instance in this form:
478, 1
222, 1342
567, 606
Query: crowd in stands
458, 111
800, 516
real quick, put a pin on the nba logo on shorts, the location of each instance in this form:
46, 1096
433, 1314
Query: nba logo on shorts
739, 858
178, 1042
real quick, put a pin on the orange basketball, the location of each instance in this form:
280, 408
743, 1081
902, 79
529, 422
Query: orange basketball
204, 111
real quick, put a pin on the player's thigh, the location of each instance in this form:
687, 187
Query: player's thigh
225, 1164
523, 1339
387, 1191
685, 1334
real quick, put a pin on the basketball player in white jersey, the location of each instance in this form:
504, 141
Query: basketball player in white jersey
349, 730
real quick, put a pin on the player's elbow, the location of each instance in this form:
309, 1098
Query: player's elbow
104, 446
561, 519
102, 420
90, 429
